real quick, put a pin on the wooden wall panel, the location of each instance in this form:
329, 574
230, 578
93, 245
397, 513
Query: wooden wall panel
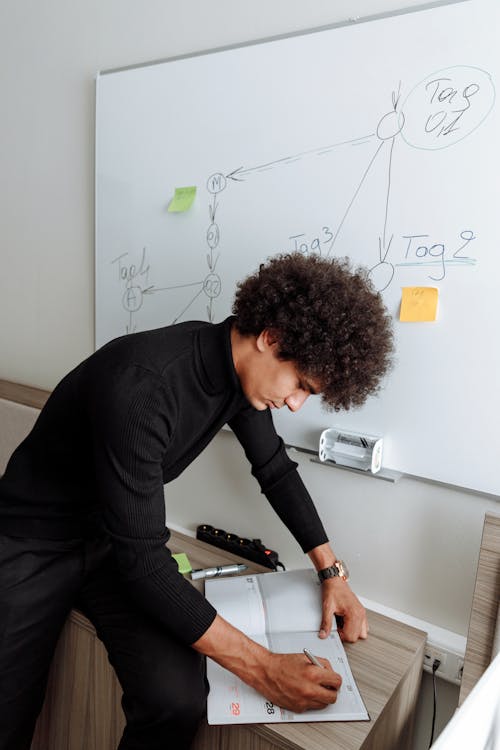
485, 605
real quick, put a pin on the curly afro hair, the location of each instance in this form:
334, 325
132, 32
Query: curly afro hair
326, 317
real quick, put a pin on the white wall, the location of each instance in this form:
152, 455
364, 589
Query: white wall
413, 545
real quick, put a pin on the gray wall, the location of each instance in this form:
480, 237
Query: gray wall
412, 546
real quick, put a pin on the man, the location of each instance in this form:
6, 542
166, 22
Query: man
82, 509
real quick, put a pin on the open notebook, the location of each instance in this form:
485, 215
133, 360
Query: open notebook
281, 611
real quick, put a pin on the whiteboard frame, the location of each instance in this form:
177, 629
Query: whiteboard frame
277, 37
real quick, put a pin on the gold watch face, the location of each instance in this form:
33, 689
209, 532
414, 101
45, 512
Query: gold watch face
343, 569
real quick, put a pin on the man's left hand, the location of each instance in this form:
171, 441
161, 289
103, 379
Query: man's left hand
339, 599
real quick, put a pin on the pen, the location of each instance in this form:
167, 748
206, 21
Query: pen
312, 659
220, 570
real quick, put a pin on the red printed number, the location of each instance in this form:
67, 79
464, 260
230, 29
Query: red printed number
235, 709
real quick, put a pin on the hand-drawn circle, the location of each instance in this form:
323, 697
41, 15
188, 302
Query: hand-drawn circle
132, 298
390, 125
433, 120
212, 286
216, 182
381, 275
213, 236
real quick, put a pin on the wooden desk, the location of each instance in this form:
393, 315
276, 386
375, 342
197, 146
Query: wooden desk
82, 708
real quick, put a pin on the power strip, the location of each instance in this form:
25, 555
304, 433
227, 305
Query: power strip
250, 549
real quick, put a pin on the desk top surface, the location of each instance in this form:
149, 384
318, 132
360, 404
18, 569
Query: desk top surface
378, 664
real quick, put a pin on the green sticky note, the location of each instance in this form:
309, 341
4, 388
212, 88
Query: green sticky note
183, 199
182, 562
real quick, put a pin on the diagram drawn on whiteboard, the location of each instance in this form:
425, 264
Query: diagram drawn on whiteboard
437, 113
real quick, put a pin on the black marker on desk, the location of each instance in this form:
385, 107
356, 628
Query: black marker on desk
220, 570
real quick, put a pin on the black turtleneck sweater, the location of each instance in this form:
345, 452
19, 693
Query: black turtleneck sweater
122, 424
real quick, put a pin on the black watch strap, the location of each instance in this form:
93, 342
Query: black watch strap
337, 570
331, 572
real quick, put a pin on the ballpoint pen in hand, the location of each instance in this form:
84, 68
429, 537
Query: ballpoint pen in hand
313, 659
220, 570
316, 663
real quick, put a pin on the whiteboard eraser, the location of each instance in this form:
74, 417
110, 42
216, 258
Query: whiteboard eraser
353, 449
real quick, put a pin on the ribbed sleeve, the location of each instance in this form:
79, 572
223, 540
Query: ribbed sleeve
278, 477
172, 600
132, 423
293, 504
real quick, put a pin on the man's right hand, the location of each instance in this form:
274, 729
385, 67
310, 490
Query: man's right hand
287, 680
294, 683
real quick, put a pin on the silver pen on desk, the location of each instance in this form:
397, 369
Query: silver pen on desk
220, 570
313, 659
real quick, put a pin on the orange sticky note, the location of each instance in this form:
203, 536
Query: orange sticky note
419, 304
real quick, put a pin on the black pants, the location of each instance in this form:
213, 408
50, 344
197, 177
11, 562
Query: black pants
163, 681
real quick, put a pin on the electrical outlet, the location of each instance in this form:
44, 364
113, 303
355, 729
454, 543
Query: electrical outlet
441, 644
451, 664
432, 653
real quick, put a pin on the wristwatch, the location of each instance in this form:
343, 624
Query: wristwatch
338, 569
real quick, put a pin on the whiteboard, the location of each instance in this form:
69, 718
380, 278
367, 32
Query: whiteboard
378, 140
